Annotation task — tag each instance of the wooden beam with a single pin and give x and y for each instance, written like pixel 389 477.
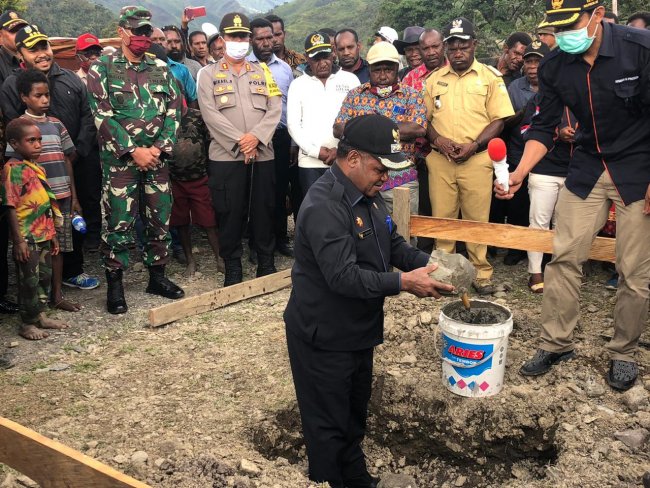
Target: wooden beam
pixel 402 211
pixel 53 465
pixel 219 298
pixel 502 235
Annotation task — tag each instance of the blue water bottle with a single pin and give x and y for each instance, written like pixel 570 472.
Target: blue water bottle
pixel 79 223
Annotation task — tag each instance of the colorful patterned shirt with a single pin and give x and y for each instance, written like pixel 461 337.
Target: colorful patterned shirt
pixel 404 105
pixel 416 77
pixel 24 187
pixel 293 58
pixel 56 145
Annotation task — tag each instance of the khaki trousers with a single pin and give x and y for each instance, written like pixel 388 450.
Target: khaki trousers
pixel 578 223
pixel 467 188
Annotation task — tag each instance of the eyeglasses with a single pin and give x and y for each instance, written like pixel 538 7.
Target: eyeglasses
pixel 144 30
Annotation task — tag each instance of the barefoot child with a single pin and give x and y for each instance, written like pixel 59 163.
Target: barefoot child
pixel 192 203
pixel 32 212
pixel 33 88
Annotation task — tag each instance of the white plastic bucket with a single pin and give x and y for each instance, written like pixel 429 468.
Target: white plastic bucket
pixel 474 356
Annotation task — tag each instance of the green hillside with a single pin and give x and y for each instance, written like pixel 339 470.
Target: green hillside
pixel 303 16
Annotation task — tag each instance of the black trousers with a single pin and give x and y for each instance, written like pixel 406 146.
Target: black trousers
pixel 4 248
pixel 88 180
pixel 230 184
pixel 309 176
pixel 333 389
pixel 425 244
pixel 515 211
pixel 286 183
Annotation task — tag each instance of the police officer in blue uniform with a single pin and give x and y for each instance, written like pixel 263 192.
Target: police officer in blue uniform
pixel 601 72
pixel 345 247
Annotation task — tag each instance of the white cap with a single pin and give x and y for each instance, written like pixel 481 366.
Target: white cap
pixel 388 33
pixel 209 29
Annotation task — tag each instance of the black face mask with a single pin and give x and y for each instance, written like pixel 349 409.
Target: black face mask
pixel 175 56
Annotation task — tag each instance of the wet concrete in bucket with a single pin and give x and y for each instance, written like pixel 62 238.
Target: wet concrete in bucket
pixel 480 313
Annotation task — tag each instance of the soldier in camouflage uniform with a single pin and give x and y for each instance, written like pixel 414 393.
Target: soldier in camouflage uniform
pixel 136 103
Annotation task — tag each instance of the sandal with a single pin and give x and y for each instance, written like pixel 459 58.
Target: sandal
pixel 536 287
pixel 66 306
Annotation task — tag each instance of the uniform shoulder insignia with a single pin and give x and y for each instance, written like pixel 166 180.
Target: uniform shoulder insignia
pixel 638 36
pixel 494 71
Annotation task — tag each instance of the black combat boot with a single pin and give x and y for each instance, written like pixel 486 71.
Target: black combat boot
pixel 160 285
pixel 266 265
pixel 115 301
pixel 233 272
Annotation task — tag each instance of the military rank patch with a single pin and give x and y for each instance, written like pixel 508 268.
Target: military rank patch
pixel 221 75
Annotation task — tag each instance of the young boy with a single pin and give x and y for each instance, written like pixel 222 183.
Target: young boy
pixel 32 212
pixel 33 88
pixel 192 203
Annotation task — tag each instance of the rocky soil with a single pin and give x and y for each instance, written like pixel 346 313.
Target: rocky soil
pixel 208 401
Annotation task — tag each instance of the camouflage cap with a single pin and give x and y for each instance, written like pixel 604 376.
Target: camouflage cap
pixel 134 16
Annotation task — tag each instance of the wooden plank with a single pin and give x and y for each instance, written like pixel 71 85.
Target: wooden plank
pixel 219 298
pixel 502 235
pixel 402 211
pixel 53 465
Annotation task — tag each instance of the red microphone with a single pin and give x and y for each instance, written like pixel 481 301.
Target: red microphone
pixel 497 152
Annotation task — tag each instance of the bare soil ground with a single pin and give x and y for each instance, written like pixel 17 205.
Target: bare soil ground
pixel 209 402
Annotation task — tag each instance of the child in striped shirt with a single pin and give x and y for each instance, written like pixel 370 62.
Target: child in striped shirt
pixel 33 88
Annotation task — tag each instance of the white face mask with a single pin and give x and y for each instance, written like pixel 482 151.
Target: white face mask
pixel 237 50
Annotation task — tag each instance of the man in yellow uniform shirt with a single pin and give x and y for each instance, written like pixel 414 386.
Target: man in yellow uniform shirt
pixel 467 103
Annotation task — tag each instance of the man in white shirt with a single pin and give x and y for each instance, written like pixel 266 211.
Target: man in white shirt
pixel 313 103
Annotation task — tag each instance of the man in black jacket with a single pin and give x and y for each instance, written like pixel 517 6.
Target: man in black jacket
pixel 69 104
pixel 345 247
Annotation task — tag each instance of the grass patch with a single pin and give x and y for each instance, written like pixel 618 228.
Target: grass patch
pixel 86 367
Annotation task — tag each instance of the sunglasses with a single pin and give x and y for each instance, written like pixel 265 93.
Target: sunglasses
pixel 145 30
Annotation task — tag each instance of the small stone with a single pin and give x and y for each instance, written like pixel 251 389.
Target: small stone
pixel 159 462
pixel 508 286
pixel 592 309
pixel 13 344
pixel 594 389
pixel 91 444
pixel 643 418
pixel 425 318
pixel 646 479
pixel 392 480
pixel 409 359
pixel 500 294
pixel 460 481
pixel 26 482
pixel 590 419
pixel 249 467
pixel 635 398
pixel 633 438
pixel 139 457
pixel 58 367
pixel 379 463
pixel 120 459
pixel 568 427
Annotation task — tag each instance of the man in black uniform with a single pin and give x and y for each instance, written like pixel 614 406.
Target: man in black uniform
pixel 601 72
pixel 345 247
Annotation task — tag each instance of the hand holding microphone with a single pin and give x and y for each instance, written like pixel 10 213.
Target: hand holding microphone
pixel 497 152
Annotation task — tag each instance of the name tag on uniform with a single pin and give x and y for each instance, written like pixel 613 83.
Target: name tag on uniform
pixel 365 233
